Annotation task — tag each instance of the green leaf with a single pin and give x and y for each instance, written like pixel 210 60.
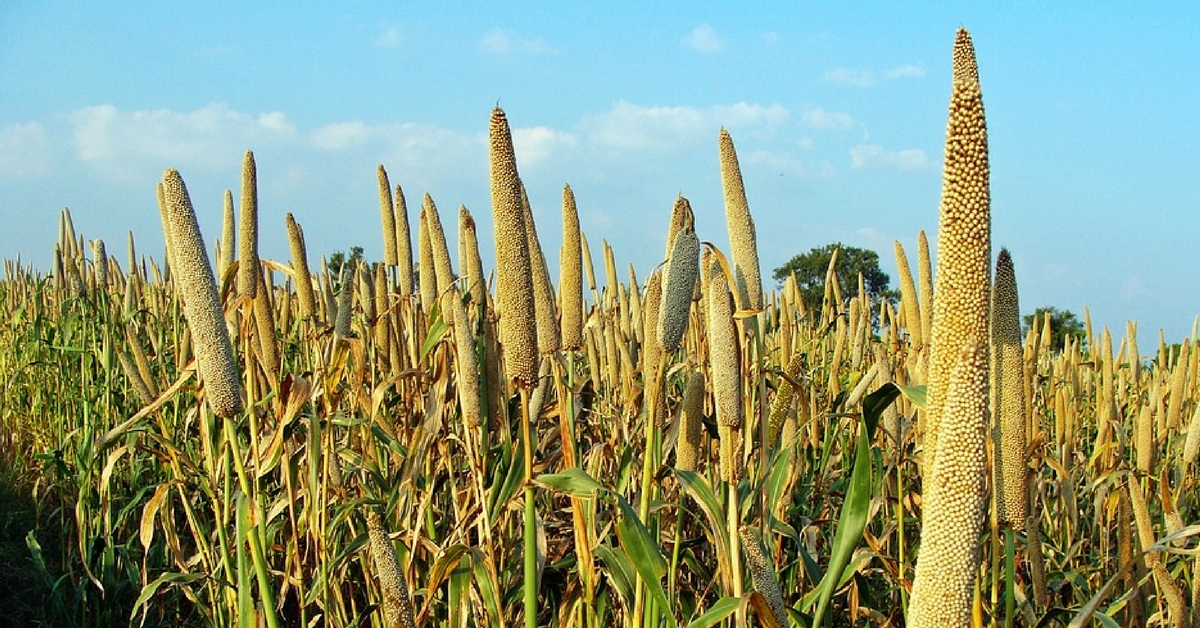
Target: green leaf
pixel 485 579
pixel 644 553
pixel 918 395
pixel 875 403
pixel 716 613
pixel 620 572
pixel 437 329
pixel 857 506
pixel 575 481
pixel 168 578
pixel 698 489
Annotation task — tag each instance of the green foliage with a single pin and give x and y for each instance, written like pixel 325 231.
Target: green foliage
pixel 810 269
pixel 1063 324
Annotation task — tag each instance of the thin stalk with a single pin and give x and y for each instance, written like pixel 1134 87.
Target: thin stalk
pixel 530 585
pixel 1010 599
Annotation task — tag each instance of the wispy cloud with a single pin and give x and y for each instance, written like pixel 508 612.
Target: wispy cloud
pixel 540 144
pixel 128 142
pixel 851 77
pixel 907 70
pixel 24 151
pixel 875 157
pixel 499 41
pixel 821 119
pixel 389 38
pixel 704 38
pixel 866 78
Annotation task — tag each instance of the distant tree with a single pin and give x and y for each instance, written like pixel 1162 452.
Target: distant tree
pixel 337 258
pixel 810 269
pixel 1063 324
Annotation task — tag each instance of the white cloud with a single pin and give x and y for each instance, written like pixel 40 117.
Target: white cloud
pixel 1134 288
pixel 536 145
pixel 389 38
pixel 875 157
pixel 781 163
pixel 341 136
pixel 704 38
pixel 129 142
pixel 635 127
pixel 24 150
pixel 818 118
pixel 501 42
pixel 847 76
pixel 745 114
pixel 905 71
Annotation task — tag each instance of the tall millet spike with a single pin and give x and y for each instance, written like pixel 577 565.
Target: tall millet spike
pixel 248 253
pixel 925 282
pixel 955 502
pixel 469 262
pixel 543 290
pixel 201 304
pixel 743 244
pixel 909 300
pixel 304 288
pixel 387 216
pixel 762 573
pixel 426 273
pixel 963 278
pixel 404 256
pixel 570 275
pixel 681 275
pixel 397 606
pixel 437 245
pixel 514 275
pixel 689 449
pixel 725 358
pixel 228 238
pixel 1008 398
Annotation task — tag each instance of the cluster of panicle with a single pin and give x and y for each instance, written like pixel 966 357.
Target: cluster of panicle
pixel 548 337
pixel 570 289
pixel 387 216
pixel 404 256
pixel 1008 398
pixel 725 363
pixel 954 502
pixel 762 573
pixel 397 606
pixel 304 287
pixel 963 277
pixel 469 262
pixel 689 449
pixel 248 269
pixel 954 467
pixel 743 243
pixel 683 271
pixel 201 304
pixel 514 274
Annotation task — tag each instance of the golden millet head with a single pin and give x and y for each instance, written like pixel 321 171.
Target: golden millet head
pixel 963 279
pixel 201 304
pixel 955 501
pixel 570 288
pixel 248 253
pixel 1008 398
pixel 514 272
pixel 683 271
pixel 743 242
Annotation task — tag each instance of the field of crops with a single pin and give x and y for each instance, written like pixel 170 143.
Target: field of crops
pixel 420 441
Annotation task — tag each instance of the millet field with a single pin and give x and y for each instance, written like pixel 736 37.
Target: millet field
pixel 225 440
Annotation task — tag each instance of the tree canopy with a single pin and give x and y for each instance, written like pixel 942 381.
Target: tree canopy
pixel 811 267
pixel 1063 324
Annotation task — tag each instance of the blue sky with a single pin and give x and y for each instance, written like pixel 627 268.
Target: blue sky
pixel 838 116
